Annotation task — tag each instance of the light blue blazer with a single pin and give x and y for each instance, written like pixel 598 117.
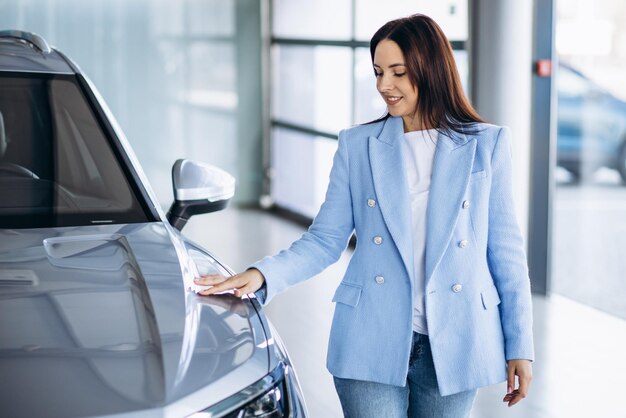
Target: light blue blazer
pixel 473 328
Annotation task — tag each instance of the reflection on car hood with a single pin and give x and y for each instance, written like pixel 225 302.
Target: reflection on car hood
pixel 98 320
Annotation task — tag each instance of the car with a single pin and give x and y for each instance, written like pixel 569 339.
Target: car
pixel 99 315
pixel 591 126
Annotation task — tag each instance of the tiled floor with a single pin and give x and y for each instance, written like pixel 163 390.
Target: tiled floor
pixel 580 367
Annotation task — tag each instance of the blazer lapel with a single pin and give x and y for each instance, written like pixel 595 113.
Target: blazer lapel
pixel 451 171
pixel 385 153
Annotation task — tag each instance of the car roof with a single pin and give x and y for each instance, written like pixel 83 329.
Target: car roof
pixel 28 52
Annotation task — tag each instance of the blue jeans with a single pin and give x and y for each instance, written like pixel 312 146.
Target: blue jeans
pixel 420 398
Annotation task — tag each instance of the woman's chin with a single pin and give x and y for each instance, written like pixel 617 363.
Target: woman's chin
pixel 392 111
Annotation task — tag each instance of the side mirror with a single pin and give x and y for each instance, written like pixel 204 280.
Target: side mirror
pixel 198 188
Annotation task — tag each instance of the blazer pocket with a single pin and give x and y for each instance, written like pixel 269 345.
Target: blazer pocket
pixel 477 175
pixel 348 294
pixel 490 297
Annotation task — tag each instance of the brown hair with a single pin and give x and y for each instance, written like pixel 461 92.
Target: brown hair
pixel 441 102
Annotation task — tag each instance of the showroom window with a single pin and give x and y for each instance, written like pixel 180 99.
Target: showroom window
pixel 322 81
pixel 177 76
pixel 589 206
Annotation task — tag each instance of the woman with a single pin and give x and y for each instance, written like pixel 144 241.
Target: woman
pixel 436 301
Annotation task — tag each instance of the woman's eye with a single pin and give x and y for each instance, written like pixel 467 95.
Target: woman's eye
pixel 378 74
pixel 399 74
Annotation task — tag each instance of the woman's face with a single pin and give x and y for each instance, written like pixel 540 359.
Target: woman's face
pixel 393 84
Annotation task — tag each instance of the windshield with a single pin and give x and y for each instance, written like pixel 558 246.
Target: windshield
pixel 57 167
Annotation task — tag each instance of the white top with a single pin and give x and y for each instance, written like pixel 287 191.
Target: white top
pixel 418 153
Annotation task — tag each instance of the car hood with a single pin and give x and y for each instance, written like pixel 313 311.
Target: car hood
pixel 102 320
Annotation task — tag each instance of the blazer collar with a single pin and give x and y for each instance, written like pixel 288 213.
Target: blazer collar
pixel 393 131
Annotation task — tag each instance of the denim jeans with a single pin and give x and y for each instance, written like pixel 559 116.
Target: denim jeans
pixel 420 398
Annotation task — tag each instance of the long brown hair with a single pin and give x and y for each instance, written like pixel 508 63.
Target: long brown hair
pixel 441 102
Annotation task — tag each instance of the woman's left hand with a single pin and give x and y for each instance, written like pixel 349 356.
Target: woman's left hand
pixel 524 372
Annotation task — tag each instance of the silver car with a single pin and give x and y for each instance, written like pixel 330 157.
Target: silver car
pixel 98 310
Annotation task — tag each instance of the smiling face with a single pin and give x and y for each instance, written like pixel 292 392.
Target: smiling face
pixel 394 85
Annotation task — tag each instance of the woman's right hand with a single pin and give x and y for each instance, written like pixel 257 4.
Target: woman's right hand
pixel 243 283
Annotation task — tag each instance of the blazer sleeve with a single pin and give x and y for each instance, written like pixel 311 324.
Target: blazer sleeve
pixel 323 243
pixel 506 256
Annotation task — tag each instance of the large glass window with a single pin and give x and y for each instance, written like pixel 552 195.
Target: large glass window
pixel 300 19
pixel 589 217
pixel 312 86
pixel 323 81
pixel 451 15
pixel 169 71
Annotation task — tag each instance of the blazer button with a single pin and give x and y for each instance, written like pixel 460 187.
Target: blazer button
pixel 463 243
pixel 378 240
pixel 380 279
pixel 371 203
pixel 466 204
pixel 457 288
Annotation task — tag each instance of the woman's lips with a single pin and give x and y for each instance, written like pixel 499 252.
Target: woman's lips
pixel 392 100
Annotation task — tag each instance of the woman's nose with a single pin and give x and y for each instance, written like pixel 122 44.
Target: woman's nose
pixel 384 84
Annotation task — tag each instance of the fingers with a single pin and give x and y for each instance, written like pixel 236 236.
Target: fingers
pixel 524 383
pixel 515 398
pixel 209 279
pixel 512 398
pixel 524 377
pixel 242 283
pixel 510 384
pixel 220 285
pixel 511 392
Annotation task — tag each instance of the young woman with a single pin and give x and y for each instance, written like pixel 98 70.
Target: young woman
pixel 436 300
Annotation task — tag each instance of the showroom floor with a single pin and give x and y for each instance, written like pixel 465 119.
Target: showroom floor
pixel 579 369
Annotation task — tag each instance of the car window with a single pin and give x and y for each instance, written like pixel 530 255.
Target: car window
pixel 57 166
pixel 571 84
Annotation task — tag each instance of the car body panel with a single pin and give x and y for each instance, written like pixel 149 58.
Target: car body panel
pixel 108 311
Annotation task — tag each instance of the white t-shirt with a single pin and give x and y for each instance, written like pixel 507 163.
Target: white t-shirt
pixel 418 153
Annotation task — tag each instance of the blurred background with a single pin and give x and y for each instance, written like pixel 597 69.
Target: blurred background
pixel 261 88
